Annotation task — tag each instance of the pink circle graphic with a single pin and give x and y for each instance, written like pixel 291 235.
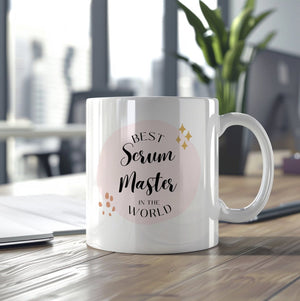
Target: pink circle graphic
pixel 151 169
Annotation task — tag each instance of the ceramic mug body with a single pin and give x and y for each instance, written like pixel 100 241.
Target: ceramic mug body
pixel 152 174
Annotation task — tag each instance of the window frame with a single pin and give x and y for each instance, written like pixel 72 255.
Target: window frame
pixel 99 56
pixel 4 96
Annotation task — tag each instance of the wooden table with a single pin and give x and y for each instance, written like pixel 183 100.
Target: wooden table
pixel 252 262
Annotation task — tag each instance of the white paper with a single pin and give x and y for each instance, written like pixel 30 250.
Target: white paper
pixel 39 215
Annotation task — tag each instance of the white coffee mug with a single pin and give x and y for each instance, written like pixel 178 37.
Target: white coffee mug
pixel 152 173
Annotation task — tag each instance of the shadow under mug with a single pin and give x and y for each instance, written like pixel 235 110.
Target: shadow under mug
pixel 152 173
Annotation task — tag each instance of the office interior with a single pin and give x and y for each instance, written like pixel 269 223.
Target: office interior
pixel 54 53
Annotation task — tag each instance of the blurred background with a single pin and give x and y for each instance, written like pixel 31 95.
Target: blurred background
pixel 55 53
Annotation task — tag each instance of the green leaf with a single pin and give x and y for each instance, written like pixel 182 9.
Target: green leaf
pixel 254 21
pixel 231 66
pixel 264 43
pixel 206 47
pixel 238 26
pixel 217 50
pixel 200 73
pixel 218 13
pixel 203 42
pixel 181 57
pixel 214 19
pixel 250 4
pixel 196 68
pixel 262 16
pixel 242 67
pixel 193 19
pixel 215 22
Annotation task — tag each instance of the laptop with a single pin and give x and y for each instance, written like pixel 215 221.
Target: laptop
pixel 38 218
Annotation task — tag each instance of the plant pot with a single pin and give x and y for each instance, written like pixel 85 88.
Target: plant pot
pixel 233 151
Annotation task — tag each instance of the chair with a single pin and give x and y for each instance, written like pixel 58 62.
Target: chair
pixel 72 151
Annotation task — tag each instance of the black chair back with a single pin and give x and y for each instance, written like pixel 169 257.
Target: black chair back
pixel 72 151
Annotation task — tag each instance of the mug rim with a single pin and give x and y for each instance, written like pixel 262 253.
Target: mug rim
pixel 151 98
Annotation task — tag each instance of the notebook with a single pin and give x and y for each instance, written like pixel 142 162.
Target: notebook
pixel 28 219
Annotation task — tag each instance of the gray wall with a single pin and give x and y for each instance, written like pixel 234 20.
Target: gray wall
pixel 285 20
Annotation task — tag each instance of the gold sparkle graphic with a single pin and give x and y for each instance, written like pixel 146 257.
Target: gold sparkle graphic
pixel 184 137
pixel 182 128
pixel 188 136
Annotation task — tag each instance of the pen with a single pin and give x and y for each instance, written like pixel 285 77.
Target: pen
pixel 276 212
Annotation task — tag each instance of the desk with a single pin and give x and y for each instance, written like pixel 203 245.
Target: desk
pixel 29 130
pixel 258 261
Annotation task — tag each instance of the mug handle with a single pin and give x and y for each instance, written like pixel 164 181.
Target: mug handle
pixel 250 212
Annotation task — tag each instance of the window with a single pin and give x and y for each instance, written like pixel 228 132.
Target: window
pixel 49 49
pixel 135 44
pixel 188 84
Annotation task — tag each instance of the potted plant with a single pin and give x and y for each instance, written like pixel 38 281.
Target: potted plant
pixel 224 50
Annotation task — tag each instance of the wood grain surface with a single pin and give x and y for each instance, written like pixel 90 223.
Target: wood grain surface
pixel 258 261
